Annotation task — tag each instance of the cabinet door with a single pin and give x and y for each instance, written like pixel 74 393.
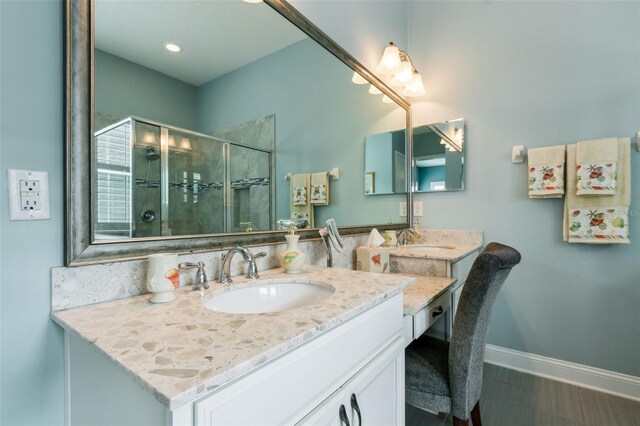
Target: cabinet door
pixel 327 413
pixel 375 396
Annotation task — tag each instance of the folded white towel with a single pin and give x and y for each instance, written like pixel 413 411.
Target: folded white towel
pixel 320 188
pixel 598 220
pixel 596 167
pixel 546 172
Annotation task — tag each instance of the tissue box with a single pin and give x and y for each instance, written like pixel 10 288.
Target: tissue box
pixel 372 259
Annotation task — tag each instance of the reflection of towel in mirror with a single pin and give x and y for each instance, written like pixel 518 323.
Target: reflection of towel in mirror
pixel 299 189
pixel 320 189
pixel 598 220
pixel 546 172
pixel 300 206
pixel 596 164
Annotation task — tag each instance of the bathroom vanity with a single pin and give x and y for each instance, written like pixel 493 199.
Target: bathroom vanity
pixel 440 261
pixel 179 363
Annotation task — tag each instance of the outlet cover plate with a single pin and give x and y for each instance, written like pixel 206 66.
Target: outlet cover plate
pixel 33 181
pixel 417 208
pixel 403 208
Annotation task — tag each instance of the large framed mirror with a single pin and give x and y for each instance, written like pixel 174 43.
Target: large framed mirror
pixel 193 126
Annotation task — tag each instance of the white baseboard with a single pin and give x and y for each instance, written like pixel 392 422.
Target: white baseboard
pixel 576 374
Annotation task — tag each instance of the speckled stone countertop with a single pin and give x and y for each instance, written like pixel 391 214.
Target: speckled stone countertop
pixel 180 350
pixel 451 252
pixel 424 291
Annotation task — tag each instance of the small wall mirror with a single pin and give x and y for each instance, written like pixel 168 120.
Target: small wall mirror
pixel 385 163
pixel 438 157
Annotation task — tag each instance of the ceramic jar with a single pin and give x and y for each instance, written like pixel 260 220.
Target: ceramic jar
pixel 291 258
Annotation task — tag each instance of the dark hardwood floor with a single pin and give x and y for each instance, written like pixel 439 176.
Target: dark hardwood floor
pixel 519 399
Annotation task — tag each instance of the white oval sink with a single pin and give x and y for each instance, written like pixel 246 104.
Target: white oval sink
pixel 267 296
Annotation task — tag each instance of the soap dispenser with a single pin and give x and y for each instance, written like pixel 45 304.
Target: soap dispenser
pixel 291 258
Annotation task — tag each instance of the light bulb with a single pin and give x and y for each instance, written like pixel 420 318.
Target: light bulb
pixel 390 60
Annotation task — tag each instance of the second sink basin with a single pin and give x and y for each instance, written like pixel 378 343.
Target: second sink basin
pixel 268 296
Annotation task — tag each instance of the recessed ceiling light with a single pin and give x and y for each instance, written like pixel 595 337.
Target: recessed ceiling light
pixel 171 47
pixel 253 1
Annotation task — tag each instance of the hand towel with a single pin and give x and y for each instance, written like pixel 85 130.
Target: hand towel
pixel 320 189
pixel 546 172
pixel 299 189
pixel 598 220
pixel 300 206
pixel 596 167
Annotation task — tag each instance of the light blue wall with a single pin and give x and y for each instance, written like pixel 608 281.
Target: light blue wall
pixel 538 74
pixel 123 88
pixel 322 119
pixel 31 137
pixel 426 175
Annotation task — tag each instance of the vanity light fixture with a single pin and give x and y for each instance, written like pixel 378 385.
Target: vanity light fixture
pixel 399 70
pixel 172 47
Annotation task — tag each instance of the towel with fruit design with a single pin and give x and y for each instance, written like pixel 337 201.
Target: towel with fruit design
pixel 546 179
pixel 599 225
pixel 596 178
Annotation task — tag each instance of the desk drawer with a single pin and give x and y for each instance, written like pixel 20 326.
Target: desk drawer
pixel 431 313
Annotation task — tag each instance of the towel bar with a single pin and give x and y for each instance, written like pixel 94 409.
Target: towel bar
pixel 334 174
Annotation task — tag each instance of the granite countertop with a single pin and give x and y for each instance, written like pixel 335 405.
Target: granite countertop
pixel 441 251
pixel 424 291
pixel 180 350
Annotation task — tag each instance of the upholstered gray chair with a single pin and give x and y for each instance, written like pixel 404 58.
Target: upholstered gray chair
pixel 447 377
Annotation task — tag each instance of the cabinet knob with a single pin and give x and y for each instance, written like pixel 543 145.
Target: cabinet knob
pixel 437 312
pixel 343 415
pixel 356 407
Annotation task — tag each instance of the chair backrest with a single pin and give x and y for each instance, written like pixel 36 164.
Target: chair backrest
pixel 466 350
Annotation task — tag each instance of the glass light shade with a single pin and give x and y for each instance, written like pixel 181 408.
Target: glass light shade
pixel 358 79
pixel 172 141
pixel 415 86
pixel 390 60
pixel 403 75
pixel 387 100
pixel 442 142
pixel 374 90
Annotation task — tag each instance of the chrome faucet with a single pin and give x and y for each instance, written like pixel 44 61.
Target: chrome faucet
pixel 252 269
pixel 201 277
pixel 403 236
pixel 331 237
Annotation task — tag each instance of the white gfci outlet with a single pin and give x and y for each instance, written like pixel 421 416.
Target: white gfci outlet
pixel 403 208
pixel 28 195
pixel 417 208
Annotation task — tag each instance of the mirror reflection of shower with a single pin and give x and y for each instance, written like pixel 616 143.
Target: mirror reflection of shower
pixel 157 180
pixel 149 215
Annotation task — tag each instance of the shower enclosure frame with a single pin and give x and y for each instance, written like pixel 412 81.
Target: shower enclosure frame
pixel 165 129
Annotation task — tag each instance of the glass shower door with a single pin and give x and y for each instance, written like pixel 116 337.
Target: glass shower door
pixel 195 175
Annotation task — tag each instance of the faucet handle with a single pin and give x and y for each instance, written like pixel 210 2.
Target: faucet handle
pixel 252 268
pixel 201 276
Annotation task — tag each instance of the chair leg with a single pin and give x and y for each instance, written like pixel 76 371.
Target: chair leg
pixel 459 422
pixel 475 415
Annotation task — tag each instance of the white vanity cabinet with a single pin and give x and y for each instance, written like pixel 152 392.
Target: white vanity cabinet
pixel 375 394
pixel 307 385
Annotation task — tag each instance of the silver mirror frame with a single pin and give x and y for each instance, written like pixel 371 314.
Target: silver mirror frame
pixel 80 248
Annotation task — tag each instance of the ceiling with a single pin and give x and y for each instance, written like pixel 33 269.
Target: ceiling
pixel 216 36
